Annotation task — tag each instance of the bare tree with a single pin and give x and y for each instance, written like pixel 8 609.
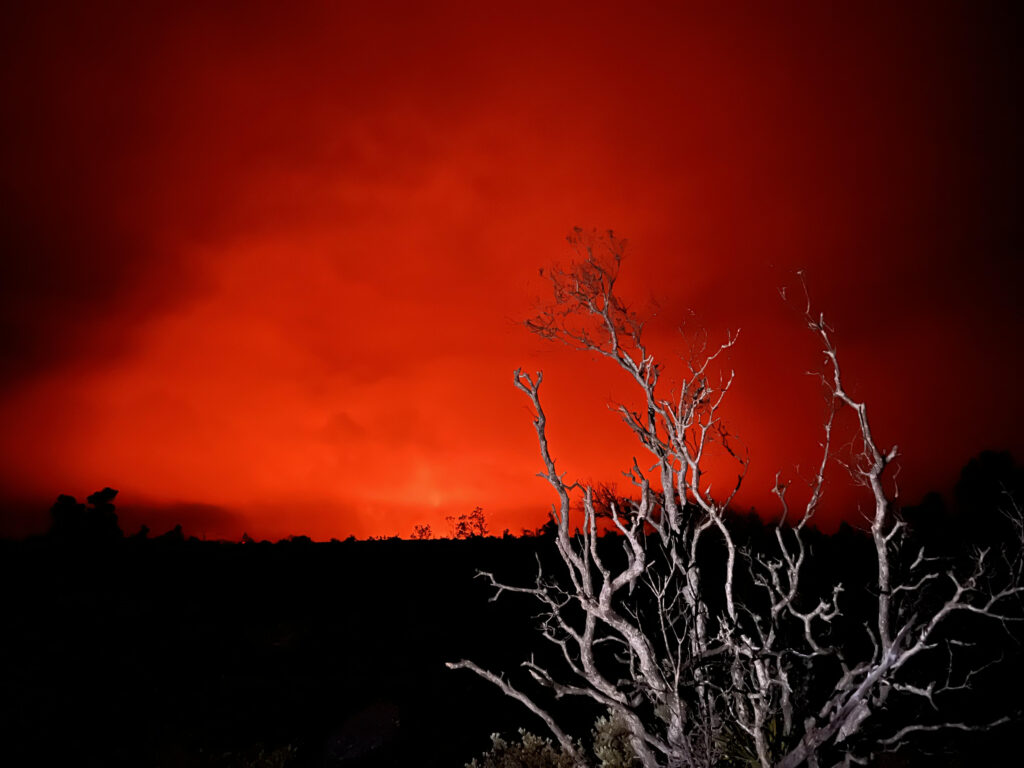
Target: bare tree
pixel 709 649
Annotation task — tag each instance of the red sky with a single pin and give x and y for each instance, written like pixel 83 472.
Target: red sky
pixel 264 267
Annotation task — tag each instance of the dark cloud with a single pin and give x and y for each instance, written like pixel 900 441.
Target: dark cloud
pixel 81 264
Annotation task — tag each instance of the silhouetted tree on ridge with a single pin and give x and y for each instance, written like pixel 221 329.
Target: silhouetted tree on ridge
pixel 71 521
pixel 469 525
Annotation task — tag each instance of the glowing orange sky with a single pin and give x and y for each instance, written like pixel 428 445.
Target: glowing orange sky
pixel 264 268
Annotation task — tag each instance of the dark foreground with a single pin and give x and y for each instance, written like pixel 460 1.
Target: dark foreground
pixel 148 653
pixel 185 653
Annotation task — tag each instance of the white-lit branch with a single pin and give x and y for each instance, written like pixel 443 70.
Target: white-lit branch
pixel 697 643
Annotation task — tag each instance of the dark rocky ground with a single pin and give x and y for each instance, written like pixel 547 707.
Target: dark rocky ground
pixel 163 652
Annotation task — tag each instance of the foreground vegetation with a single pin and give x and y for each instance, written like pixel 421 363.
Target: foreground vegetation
pixel 168 651
pixel 709 646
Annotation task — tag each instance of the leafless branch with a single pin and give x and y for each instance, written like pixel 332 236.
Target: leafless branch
pixel 699 643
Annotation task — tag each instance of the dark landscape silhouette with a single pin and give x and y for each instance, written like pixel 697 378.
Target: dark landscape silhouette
pixel 168 650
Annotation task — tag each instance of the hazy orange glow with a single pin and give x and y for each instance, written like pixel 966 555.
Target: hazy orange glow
pixel 264 269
